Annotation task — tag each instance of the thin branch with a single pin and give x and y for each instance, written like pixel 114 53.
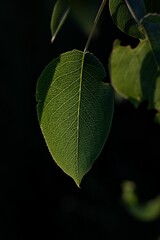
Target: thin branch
pixel 95 24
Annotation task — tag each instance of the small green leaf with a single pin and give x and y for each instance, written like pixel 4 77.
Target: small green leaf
pixel 75 111
pixel 148 211
pixel 123 18
pixel 59 15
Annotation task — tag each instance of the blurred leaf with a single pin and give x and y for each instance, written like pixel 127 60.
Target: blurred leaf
pixel 128 194
pixel 135 73
pixel 157 118
pixel 75 111
pixel 125 68
pixel 146 212
pixel 59 15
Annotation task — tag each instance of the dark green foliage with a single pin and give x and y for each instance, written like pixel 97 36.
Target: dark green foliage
pixel 75 108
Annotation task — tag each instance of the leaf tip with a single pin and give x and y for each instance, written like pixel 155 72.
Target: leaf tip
pixel 78 182
pixel 78 185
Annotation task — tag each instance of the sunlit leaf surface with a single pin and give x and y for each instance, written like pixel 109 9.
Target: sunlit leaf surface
pixel 75 111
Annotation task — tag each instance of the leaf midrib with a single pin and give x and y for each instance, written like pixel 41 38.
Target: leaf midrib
pixel 78 111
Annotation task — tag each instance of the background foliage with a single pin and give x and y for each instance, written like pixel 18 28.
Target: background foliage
pixel 37 199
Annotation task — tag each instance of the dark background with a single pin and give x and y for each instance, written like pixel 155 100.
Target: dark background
pixel 37 198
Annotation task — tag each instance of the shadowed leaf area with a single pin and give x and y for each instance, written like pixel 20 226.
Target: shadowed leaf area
pixel 123 18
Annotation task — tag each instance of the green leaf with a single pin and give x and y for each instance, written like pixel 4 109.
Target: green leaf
pixel 125 68
pixel 148 211
pixel 137 9
pixel 75 111
pixel 151 24
pixel 123 18
pixel 59 15
pixel 135 73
